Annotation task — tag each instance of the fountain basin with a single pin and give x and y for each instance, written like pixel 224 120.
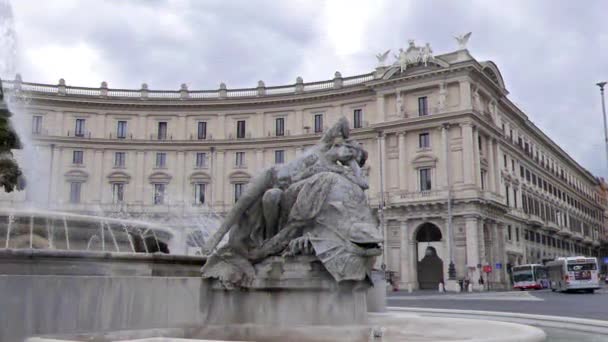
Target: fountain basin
pixel 392 326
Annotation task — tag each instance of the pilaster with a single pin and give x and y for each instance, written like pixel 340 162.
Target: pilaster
pixel 403 164
pixel 467 153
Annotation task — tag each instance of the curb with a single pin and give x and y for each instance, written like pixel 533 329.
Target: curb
pixel 567 323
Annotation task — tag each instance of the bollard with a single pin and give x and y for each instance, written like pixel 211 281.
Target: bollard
pixel 441 287
pixel 409 288
pixel 470 289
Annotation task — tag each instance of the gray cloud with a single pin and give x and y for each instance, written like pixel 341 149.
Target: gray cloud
pixel 551 53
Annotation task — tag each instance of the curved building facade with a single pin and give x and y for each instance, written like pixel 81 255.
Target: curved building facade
pixel 457 171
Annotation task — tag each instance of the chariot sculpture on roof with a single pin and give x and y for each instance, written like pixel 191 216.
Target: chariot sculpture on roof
pixel 414 55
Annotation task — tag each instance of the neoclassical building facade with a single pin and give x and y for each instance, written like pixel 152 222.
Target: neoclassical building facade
pixel 458 173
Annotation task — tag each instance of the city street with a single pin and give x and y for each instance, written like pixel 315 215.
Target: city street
pixel 539 302
pixel 542 302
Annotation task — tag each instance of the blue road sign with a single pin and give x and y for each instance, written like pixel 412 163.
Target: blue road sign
pixel 498 266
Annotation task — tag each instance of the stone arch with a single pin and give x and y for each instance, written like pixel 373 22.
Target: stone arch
pixel 159 177
pixel 200 177
pixel 428 232
pixel 429 268
pixel 119 177
pixel 239 177
pixel 490 69
pixel 76 176
pixel 424 160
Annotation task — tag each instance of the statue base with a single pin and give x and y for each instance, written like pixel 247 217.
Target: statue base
pixel 286 291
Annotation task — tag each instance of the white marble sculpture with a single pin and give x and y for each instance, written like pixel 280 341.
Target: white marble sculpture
pixel 414 55
pixel 381 57
pixel 462 40
pixel 314 205
pixel 442 98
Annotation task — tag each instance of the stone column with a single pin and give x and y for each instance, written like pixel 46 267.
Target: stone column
pixel 492 171
pixel 59 125
pixel 413 266
pixel 102 182
pixel 404 263
pixel 220 133
pixel 299 125
pixel 179 171
pixel 139 179
pixel 97 182
pixel 501 254
pixel 497 157
pixel 218 184
pixel 445 147
pixel 472 241
pixel 403 164
pixel 476 158
pixel 259 159
pixel 465 95
pixel 467 153
pixel 380 107
pixel 56 178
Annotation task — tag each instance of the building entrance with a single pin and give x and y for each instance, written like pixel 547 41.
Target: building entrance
pixel 430 268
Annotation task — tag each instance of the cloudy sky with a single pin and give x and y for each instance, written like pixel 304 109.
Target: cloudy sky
pixel 551 53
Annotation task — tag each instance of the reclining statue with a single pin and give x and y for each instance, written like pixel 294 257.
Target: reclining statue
pixel 313 205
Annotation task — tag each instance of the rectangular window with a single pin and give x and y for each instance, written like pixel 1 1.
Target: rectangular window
pixel 483 179
pixel 162 130
pixel 425 179
pixel 318 123
pixel 118 192
pixel 358 118
pixel 512 165
pixel 121 129
pixel 161 159
pixel 79 129
pixel 199 193
pixel 424 140
pixel 423 108
pixel 521 171
pixel 238 190
pixel 517 234
pixel 201 160
pixel 507 194
pixel 514 198
pixel 37 124
pixel 159 193
pixel 504 160
pixel 279 156
pixel 240 129
pixel 509 233
pixel 75 188
pixel 77 157
pixel 202 130
pixel 279 127
pixel 240 159
pixel 119 159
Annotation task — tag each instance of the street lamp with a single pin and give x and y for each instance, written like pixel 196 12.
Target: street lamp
pixel 601 85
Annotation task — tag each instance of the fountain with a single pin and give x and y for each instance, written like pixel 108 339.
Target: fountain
pixel 300 246
pixel 297 265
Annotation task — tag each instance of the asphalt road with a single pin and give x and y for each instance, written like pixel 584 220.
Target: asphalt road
pixel 540 302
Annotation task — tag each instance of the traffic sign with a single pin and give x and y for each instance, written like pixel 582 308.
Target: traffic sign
pixel 498 266
pixel 487 268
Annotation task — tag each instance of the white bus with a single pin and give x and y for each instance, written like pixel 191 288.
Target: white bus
pixel 529 276
pixel 574 273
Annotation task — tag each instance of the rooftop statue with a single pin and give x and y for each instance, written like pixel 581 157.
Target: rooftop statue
pixel 314 205
pixel 462 40
pixel 414 55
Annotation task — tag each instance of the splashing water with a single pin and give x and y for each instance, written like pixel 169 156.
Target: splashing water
pixel 187 233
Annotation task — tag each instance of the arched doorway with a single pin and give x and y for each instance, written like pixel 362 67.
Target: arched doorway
pixel 430 267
